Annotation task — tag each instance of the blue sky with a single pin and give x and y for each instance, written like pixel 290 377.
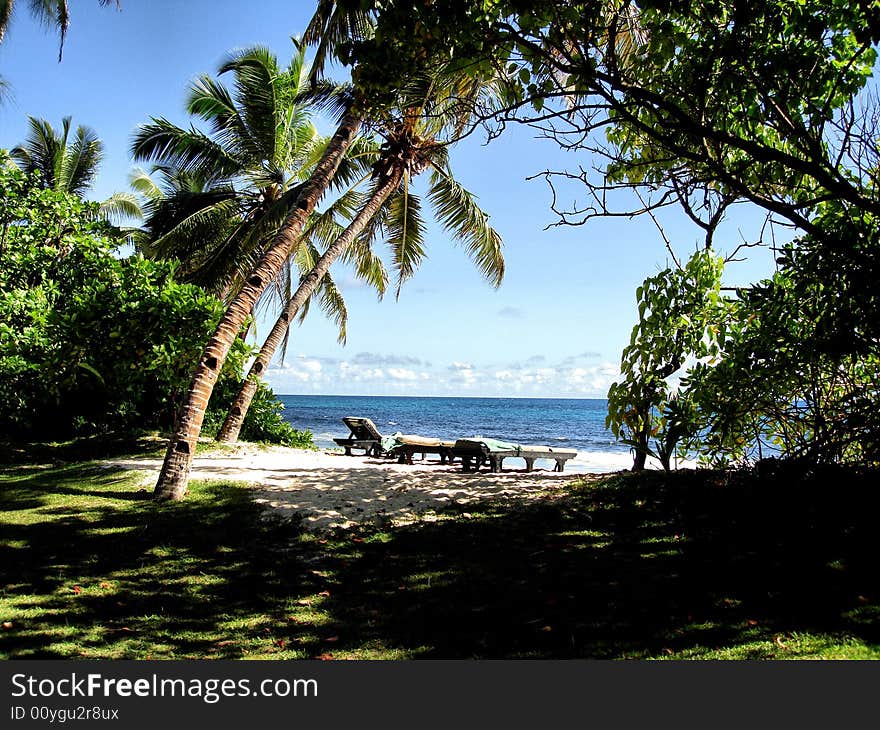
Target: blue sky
pixel 555 327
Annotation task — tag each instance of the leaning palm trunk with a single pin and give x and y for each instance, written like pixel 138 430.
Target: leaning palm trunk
pixel 235 418
pixel 173 478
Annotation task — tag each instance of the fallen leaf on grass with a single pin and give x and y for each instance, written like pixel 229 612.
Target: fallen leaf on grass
pixel 326 657
pixel 294 620
pixel 77 590
pixel 7 625
pixel 780 643
pixel 279 643
pixel 225 643
pixel 331 639
pixel 326 594
pixel 752 622
pixel 105 585
pixel 303 602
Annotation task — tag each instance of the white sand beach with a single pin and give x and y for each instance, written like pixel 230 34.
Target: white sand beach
pixel 330 490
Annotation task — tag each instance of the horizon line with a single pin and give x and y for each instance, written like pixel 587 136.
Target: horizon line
pixel 484 397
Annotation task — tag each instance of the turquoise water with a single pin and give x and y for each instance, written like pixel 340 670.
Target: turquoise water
pixel 564 422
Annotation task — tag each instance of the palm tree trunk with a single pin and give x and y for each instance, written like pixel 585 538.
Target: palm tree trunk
pixel 173 478
pixel 235 418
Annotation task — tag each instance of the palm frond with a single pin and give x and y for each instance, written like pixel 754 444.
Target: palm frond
pixel 368 266
pixel 5 16
pixel 80 161
pixel 188 223
pixel 183 149
pixel 119 207
pixel 457 211
pixel 327 97
pixel 50 13
pixel 212 102
pixel 405 229
pixel 41 152
pixel 331 27
pixel 256 75
pixel 324 227
pixel 140 181
pixel 333 305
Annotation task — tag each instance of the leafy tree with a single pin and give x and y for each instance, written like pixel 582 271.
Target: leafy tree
pixel 682 318
pixel 71 361
pixel 753 101
pixel 702 106
pixel 797 374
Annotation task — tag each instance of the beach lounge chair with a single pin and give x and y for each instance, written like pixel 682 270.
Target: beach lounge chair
pixel 475 452
pixel 405 446
pixel 364 435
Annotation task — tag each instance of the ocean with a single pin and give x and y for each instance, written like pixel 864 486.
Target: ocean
pixel 564 422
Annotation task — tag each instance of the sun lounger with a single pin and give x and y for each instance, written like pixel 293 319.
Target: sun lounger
pixel 477 451
pixel 405 446
pixel 364 435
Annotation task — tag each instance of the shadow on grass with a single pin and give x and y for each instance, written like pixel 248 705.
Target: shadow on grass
pixel 79 449
pixel 628 567
pixel 632 567
pixel 93 569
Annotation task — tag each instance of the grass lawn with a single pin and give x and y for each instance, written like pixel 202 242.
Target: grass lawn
pixel 688 567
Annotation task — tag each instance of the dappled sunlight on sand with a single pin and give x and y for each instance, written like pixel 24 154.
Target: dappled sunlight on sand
pixel 329 490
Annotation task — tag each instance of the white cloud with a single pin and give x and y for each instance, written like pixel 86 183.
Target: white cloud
pixel 313 366
pixel 312 374
pixel 401 374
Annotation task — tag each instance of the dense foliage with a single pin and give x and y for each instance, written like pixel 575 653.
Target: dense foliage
pixel 789 368
pixel 89 341
pixel 799 371
pixel 699 106
pixel 681 319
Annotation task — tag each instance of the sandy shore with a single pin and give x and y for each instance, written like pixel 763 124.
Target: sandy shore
pixel 330 490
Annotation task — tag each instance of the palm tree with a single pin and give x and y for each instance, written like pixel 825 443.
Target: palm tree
pixel 225 192
pixel 60 163
pixel 270 261
pixel 174 475
pixel 68 165
pixel 412 145
pixel 222 196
